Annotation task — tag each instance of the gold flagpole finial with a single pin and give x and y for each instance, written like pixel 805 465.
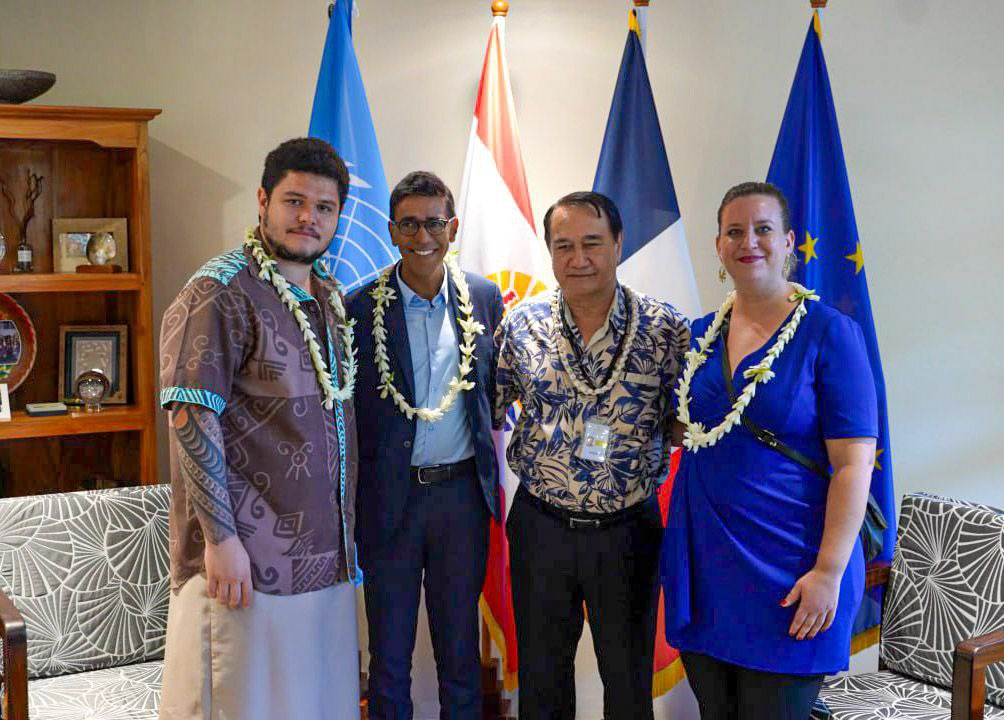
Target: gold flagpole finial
pixel 641 3
pixel 500 7
pixel 816 4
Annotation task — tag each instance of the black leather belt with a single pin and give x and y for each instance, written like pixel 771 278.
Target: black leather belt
pixel 587 521
pixel 435 474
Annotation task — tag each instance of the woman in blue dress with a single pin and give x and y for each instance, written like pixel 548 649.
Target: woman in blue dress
pixel 761 564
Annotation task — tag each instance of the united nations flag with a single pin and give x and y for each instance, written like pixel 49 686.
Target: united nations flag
pixel 341 116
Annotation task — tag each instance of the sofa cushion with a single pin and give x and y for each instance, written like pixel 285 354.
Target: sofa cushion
pixel 885 695
pixel 946 584
pixel 128 692
pixel 89 572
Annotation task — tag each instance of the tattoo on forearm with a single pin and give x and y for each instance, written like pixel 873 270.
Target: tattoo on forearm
pixel 204 468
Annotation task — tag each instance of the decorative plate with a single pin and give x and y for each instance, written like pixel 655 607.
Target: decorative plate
pixel 17 343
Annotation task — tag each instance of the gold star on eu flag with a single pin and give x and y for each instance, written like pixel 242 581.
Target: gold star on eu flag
pixel 877 453
pixel 857 258
pixel 809 247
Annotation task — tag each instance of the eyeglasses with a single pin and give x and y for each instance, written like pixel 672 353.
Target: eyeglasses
pixel 433 226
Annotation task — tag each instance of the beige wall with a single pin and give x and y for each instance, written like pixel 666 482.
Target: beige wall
pixel 919 95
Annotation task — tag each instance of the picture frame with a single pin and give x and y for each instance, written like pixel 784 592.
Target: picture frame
pixel 70 236
pixel 4 403
pixel 94 347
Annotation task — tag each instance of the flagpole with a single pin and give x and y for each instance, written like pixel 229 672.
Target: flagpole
pixel 499 8
pixel 641 12
pixel 817 7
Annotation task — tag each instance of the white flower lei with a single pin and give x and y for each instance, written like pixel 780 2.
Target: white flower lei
pixel 270 272
pixel 471 329
pixel 695 436
pixel 562 347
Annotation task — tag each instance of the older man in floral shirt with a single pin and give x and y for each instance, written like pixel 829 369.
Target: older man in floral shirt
pixel 592 365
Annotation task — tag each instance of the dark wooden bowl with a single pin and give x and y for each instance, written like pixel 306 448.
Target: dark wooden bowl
pixel 18 86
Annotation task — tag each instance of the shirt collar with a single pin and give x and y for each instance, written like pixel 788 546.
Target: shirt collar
pixel 299 293
pixel 412 299
pixel 616 317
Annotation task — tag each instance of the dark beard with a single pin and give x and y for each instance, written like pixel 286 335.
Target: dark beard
pixel 283 253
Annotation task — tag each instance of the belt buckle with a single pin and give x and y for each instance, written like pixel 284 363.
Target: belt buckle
pixel 422 469
pixel 573 522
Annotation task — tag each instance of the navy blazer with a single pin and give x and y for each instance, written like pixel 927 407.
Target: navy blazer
pixel 386 435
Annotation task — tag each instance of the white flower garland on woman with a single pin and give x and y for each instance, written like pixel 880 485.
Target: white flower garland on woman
pixel 695 435
pixel 562 347
pixel 270 272
pixel 471 329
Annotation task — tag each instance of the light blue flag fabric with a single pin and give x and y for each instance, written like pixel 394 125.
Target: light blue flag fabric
pixel 808 165
pixel 341 116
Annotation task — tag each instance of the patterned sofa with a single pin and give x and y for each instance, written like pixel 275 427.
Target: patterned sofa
pixel 88 571
pixel 942 642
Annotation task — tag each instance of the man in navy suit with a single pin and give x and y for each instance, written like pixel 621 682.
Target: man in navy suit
pixel 428 474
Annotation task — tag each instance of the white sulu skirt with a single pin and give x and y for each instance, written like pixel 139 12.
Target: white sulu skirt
pixel 285 656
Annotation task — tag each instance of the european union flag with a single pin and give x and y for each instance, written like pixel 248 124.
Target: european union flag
pixel 808 165
pixel 341 116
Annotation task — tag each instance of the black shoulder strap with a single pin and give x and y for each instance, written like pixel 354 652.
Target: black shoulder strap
pixel 763 435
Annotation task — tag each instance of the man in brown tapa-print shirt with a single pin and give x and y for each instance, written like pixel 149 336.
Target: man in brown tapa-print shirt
pixel 262 619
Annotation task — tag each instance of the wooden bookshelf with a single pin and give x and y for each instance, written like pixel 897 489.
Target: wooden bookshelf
pixel 95 164
pixel 112 418
pixel 67 283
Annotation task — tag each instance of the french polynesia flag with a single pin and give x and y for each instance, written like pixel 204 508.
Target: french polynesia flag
pixel 497 239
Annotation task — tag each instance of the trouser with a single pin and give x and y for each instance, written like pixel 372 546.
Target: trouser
pixel 730 692
pixel 443 537
pixel 613 570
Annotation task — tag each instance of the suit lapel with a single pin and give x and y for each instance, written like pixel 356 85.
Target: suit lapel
pixel 397 342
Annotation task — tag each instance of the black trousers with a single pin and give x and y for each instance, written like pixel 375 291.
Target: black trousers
pixel 614 571
pixel 729 692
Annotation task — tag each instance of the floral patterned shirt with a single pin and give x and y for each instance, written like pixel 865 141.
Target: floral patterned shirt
pixel 544 450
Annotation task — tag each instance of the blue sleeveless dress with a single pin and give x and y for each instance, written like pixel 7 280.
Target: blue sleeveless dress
pixel 745 522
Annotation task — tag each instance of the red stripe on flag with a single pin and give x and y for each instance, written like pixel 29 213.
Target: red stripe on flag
pixel 497 599
pixel 497 123
pixel 665 662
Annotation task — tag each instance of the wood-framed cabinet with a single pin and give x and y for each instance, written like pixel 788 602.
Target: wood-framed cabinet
pixel 94 164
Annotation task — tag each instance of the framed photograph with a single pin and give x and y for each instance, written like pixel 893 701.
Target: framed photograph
pixel 70 237
pixel 4 403
pixel 93 347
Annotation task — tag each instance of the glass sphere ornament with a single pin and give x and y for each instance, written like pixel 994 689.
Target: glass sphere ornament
pixel 91 387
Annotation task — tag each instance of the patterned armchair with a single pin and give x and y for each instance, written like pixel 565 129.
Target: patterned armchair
pixel 942 642
pixel 88 572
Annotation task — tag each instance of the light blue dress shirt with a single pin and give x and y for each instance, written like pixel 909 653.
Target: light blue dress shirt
pixel 435 358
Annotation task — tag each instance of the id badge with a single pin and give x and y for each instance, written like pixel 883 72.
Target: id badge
pixel 595 439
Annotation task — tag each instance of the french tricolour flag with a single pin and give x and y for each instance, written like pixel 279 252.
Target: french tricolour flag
pixel 633 171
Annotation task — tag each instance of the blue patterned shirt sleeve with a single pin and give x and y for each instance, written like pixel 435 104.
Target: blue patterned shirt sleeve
pixel 205 398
